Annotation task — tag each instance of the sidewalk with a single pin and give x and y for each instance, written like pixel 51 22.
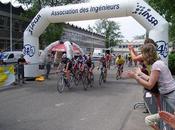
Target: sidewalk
pixel 136 120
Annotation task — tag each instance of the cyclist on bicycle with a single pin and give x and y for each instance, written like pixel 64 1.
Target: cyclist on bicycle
pixel 81 63
pixel 120 63
pixel 103 63
pixel 90 66
pixel 107 58
pixel 68 65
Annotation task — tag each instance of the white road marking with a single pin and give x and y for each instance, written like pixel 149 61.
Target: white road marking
pixel 58 105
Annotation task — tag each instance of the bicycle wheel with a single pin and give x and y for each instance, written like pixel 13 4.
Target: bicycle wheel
pixel 70 82
pixel 76 78
pixel 85 81
pixel 117 75
pixel 100 78
pixel 60 84
pixel 92 80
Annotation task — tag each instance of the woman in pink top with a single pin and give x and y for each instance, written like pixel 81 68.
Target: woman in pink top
pixel 159 73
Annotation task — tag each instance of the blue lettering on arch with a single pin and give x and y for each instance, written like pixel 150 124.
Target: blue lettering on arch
pixel 146 13
pixel 162 48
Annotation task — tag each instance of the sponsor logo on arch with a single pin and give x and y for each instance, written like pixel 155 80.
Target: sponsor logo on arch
pixel 146 13
pixel 29 50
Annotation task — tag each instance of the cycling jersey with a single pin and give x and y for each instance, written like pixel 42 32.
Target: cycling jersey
pixel 66 61
pixel 120 61
pixel 89 63
pixel 103 61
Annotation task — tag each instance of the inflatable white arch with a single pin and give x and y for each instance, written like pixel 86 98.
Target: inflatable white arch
pixel 155 24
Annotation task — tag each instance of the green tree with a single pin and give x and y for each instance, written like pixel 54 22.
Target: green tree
pixel 166 8
pixel 111 31
pixel 52 33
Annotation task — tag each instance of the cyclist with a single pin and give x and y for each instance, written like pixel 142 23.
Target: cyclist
pixel 81 63
pixel 119 62
pixel 67 65
pixel 107 58
pixel 103 63
pixel 90 66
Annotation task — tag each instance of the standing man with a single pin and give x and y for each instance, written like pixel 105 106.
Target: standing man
pixel 21 63
pixel 48 62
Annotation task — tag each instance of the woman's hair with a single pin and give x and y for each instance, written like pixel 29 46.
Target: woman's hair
pixel 149 53
pixel 149 40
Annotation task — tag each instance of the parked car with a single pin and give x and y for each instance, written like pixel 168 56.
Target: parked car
pixel 97 54
pixel 11 56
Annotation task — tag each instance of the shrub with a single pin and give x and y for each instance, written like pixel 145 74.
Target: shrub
pixel 171 62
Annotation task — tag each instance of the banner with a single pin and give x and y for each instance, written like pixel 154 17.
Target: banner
pixel 7 75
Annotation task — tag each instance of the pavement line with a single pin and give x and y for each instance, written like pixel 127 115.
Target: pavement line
pixel 125 120
pixel 58 105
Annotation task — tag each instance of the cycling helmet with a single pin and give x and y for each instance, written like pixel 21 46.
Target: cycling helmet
pixel 64 55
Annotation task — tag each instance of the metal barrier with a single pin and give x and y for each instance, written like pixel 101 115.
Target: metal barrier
pixel 150 103
pixel 169 108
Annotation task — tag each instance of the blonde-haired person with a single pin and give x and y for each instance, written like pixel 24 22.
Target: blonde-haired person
pixel 159 73
pixel 146 68
pixel 134 55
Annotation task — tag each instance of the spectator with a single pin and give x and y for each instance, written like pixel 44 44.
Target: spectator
pixel 159 73
pixel 146 68
pixel 21 63
pixel 48 62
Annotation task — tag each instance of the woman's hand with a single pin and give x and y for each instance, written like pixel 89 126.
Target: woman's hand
pixel 137 70
pixel 168 118
pixel 129 74
pixel 130 46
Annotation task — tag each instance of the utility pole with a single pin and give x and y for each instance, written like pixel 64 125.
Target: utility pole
pixel 11 46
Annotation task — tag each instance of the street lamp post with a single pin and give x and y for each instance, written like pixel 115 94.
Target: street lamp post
pixel 11 26
pixel 92 41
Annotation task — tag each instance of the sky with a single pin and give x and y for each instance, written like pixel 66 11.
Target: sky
pixel 129 27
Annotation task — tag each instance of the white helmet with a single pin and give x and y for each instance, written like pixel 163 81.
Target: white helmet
pixel 64 55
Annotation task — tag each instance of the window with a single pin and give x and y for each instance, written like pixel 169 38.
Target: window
pixel 2 20
pixel 11 56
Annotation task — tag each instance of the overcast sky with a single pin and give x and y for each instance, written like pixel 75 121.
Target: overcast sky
pixel 128 26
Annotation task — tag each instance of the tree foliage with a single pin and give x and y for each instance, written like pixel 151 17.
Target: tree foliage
pixel 166 8
pixel 111 31
pixel 52 33
pixel 43 3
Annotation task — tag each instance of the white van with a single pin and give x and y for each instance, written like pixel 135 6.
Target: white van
pixel 97 54
pixel 11 56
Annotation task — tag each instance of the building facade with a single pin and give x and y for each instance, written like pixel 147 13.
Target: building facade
pixel 10 20
pixel 123 47
pixel 85 39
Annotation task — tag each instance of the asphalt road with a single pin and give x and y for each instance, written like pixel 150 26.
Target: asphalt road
pixel 38 106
